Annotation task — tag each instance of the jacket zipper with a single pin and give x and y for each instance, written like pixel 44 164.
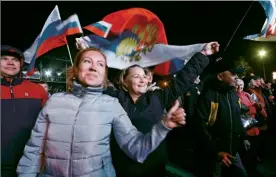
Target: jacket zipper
pixel 71 148
pixel 12 95
pixel 231 124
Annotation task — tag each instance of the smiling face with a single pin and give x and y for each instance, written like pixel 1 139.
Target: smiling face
pixel 240 85
pixel 136 81
pixel 10 65
pixel 92 69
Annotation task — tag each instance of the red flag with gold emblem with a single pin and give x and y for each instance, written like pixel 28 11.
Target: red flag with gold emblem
pixel 140 38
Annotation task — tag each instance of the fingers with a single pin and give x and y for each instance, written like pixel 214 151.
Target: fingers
pixel 226 162
pixel 230 156
pixel 179 111
pixel 215 45
pixel 181 123
pixel 174 107
pixel 178 119
pixel 178 115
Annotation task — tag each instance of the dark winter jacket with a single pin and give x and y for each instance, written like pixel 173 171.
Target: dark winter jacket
pixel 218 117
pixel 21 101
pixel 148 110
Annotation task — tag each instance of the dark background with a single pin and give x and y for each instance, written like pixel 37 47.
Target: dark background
pixel 185 23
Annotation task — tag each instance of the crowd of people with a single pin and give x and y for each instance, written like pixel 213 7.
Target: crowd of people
pixel 217 125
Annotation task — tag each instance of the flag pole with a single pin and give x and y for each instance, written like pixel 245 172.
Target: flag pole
pixel 69 54
pixel 238 26
pixel 66 39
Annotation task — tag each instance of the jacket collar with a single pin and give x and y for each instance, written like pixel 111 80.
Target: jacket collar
pixel 79 91
pixel 11 81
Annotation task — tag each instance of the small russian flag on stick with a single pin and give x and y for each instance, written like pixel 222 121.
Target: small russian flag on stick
pixel 100 28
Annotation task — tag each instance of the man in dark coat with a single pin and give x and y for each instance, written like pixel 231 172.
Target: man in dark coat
pixel 218 124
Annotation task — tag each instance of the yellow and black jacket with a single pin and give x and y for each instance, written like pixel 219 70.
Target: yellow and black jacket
pixel 217 117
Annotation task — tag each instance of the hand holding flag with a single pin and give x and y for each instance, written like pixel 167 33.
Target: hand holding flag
pixel 210 48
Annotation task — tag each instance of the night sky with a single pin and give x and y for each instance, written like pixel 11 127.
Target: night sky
pixel 185 23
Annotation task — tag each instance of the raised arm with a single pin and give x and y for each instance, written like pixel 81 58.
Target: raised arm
pixel 137 145
pixel 185 78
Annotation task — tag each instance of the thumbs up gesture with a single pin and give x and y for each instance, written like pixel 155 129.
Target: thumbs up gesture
pixel 175 117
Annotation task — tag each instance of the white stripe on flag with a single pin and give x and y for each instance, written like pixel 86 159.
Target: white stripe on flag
pixel 54 16
pixel 71 19
pixel 107 25
pixel 30 53
pixel 160 54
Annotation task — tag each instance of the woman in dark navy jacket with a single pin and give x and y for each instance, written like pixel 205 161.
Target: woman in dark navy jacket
pixel 141 105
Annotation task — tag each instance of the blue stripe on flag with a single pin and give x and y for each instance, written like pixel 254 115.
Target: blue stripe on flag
pixel 176 65
pixel 97 40
pixel 50 31
pixel 100 42
pixel 268 12
pixel 68 26
pixel 100 27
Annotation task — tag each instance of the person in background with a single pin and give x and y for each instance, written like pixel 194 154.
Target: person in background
pixel 21 101
pixel 145 107
pixel 151 86
pixel 71 136
pixel 46 87
pixel 249 108
pixel 256 91
pixel 270 104
pixel 218 125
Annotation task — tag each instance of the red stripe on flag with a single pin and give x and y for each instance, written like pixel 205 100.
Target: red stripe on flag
pixel 51 43
pixel 71 31
pixel 271 29
pixel 30 73
pixel 162 69
pixel 95 30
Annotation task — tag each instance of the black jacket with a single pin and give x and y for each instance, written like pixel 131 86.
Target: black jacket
pixel 147 111
pixel 181 141
pixel 21 101
pixel 218 120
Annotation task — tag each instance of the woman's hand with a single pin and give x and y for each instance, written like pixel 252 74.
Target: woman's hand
pixel 210 48
pixel 175 117
pixel 225 158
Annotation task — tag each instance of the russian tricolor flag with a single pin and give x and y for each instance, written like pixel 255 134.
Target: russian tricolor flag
pixel 53 35
pixel 268 32
pixel 70 26
pixel 100 28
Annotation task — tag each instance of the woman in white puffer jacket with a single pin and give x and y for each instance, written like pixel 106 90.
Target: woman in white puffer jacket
pixel 72 133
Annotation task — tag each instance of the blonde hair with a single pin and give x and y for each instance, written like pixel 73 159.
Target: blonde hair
pixel 125 73
pixel 72 72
